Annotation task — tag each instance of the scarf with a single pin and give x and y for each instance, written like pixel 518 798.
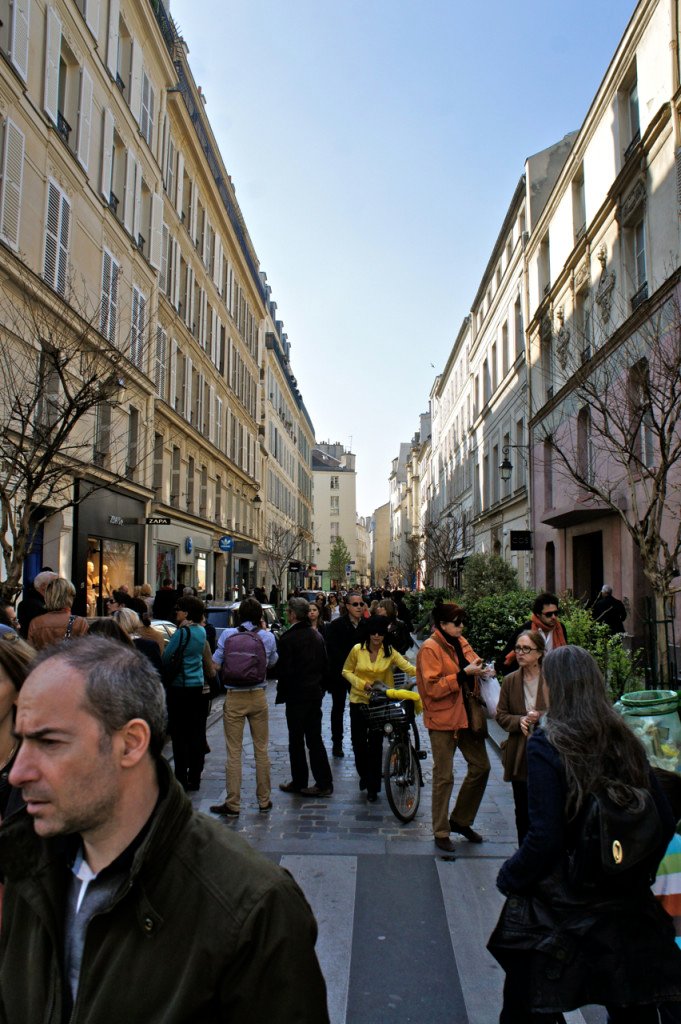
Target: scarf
pixel 558 639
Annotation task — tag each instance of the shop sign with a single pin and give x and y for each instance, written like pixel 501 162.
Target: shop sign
pixel 226 543
pixel 158 520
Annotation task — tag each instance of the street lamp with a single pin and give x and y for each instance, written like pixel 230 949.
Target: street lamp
pixel 256 501
pixel 506 467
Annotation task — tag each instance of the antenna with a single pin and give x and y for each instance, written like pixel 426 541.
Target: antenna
pixel 350 448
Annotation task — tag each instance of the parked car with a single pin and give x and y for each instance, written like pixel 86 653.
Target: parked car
pixel 223 616
pixel 310 595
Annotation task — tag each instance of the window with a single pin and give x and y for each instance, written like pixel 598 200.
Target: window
pixel 102 447
pixel 203 492
pixel 218 500
pixel 11 185
pixel 108 311
pixel 585 460
pixel 57 235
pixel 637 262
pixel 158 466
pixel 334 532
pixel 15 17
pixel 133 443
pixel 147 110
pixel 578 205
pixel 629 116
pixel 161 362
pixel 519 328
pixel 643 438
pixel 49 390
pixel 505 354
pixel 494 361
pixel 334 483
pixel 335 505
pixel 548 474
pixel 175 479
pixel 544 267
pixel 191 475
pixel 583 325
pixel 137 327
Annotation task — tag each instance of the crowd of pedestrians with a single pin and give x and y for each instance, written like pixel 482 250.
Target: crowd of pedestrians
pixel 86 706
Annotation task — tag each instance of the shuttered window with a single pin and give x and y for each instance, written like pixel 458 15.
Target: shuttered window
pixel 12 178
pixel 18 37
pixel 52 53
pixel 108 314
pixel 161 362
pixel 57 235
pixel 84 119
pixel 137 327
pixel 147 109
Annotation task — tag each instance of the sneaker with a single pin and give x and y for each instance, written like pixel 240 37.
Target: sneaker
pixel 225 810
pixel 316 791
pixel 265 807
pixel 372 797
pixel 466 831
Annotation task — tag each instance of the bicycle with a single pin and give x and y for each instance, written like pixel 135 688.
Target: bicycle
pixel 402 775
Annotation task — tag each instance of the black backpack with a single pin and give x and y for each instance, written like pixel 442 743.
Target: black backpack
pixel 616 845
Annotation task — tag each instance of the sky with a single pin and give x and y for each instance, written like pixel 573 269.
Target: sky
pixel 375 146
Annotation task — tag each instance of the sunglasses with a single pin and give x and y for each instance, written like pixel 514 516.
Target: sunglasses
pixel 524 650
pixel 356 604
pixel 550 615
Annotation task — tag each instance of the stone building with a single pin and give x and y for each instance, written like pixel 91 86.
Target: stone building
pixel 335 508
pixel 117 209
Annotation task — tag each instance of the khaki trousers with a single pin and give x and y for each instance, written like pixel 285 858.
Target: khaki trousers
pixel 240 706
pixel 443 746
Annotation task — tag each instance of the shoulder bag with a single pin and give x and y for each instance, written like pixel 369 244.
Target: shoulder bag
pixel 173 666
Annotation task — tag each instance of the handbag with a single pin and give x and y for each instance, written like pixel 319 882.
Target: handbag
pixel 173 666
pixel 475 711
pixel 489 691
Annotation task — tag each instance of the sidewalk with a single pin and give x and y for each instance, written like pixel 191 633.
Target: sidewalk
pixel 345 822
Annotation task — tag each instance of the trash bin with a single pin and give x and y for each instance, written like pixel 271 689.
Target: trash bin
pixel 653 715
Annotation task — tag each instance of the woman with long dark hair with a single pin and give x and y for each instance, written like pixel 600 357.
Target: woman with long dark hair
pixel 564 941
pixel 369 662
pixel 521 704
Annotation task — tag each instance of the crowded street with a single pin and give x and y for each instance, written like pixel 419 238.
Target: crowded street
pixel 402 929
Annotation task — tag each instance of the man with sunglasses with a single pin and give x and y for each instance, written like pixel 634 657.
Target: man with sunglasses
pixel 340 638
pixel 545 612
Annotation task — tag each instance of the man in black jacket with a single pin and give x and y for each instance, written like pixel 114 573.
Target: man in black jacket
pixel 340 638
pixel 129 905
pixel 301 671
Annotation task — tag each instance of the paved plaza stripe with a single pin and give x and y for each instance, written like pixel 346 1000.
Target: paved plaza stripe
pixel 471 901
pixel 329 886
pixel 402 969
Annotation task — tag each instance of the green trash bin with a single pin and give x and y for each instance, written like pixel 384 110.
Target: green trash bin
pixel 653 715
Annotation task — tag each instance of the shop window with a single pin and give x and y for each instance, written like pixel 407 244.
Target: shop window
pixel 110 565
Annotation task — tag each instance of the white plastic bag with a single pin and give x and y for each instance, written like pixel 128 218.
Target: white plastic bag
pixel 489 691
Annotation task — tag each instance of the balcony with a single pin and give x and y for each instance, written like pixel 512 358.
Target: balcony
pixel 63 127
pixel 640 296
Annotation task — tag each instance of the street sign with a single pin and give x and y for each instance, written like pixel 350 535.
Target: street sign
pixel 521 540
pixel 158 520
pixel 226 543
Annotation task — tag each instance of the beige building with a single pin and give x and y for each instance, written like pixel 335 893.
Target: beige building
pixel 335 508
pixel 116 206
pixel 380 544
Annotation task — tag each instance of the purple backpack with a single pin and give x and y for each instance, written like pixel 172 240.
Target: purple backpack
pixel 244 659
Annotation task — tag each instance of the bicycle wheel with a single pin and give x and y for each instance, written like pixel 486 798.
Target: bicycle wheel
pixel 402 779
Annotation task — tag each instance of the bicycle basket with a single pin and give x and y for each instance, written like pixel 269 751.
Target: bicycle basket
pixel 381 710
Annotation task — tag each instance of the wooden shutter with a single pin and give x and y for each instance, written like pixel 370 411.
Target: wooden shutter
pixel 156 240
pixel 84 119
pixel 18 45
pixel 52 53
pixel 173 374
pixel 112 39
pixel 136 81
pixel 137 214
pixel 161 356
pixel 57 232
pixel 107 154
pixel 92 16
pixel 180 184
pixel 12 180
pixel 129 202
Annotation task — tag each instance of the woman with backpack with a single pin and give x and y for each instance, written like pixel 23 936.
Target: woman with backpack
pixel 580 925
pixel 183 679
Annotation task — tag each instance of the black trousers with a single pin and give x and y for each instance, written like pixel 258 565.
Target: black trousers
pixel 522 816
pixel 367 746
pixel 304 721
pixel 187 727
pixel 339 693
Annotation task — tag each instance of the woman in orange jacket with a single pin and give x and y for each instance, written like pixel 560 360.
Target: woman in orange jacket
pixel 446 664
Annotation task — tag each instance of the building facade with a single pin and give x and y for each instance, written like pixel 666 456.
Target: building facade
pixel 119 218
pixel 335 509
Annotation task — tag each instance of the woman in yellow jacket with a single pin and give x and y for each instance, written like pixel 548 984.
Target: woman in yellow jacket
pixel 369 662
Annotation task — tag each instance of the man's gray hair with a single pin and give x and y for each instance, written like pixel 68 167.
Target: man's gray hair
pixel 606 589
pixel 120 684
pixel 300 607
pixel 43 578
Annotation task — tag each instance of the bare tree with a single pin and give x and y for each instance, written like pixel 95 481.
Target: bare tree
pixel 616 433
pixel 60 380
pixel 281 545
pixel 443 543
